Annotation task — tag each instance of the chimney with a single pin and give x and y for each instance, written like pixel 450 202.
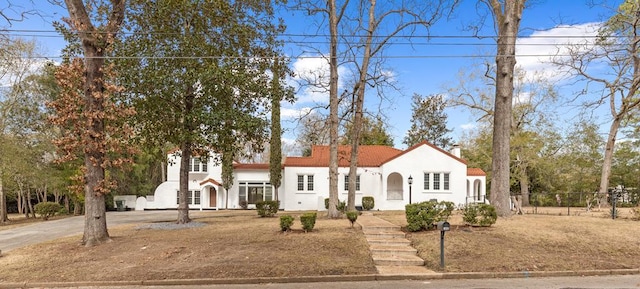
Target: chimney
pixel 456 150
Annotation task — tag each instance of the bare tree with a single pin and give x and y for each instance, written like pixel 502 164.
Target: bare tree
pixel 616 47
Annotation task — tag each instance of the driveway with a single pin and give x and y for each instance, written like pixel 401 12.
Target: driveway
pixel 53 229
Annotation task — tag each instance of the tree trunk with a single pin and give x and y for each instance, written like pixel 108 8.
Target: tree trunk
pixel 606 162
pixel 3 204
pixel 77 207
pixel 524 184
pixel 357 119
pixel 507 24
pixel 333 112
pixel 94 44
pixel 183 206
pixel 95 218
pixel 29 208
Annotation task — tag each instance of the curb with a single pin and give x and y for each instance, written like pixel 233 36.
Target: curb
pixel 327 278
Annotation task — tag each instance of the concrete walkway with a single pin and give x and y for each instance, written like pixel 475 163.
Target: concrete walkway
pixel 391 251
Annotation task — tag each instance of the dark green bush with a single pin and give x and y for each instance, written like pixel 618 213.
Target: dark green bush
pixel 267 208
pixel 368 203
pixel 244 205
pixel 342 206
pixel 352 216
pixel 423 216
pixel 482 215
pixel 286 222
pixel 308 221
pixel 47 209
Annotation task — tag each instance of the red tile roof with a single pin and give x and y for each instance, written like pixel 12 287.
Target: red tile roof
pixel 210 180
pixel 431 145
pixel 368 156
pixel 238 166
pixel 475 172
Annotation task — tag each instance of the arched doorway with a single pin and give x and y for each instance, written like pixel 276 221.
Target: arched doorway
pixel 394 187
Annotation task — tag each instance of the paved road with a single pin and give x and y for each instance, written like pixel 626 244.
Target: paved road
pixel 598 282
pixel 54 229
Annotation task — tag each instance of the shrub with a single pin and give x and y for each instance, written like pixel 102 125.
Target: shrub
pixel 352 216
pixel 308 221
pixel 482 215
pixel 244 205
pixel 342 206
pixel 286 222
pixel 423 216
pixel 47 209
pixel 267 208
pixel 368 203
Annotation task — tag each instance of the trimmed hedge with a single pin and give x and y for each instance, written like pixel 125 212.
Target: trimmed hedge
pixel 352 216
pixel 482 215
pixel 47 209
pixel 308 221
pixel 267 208
pixel 368 203
pixel 423 216
pixel 286 222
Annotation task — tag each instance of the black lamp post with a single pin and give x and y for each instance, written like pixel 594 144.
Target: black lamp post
pixel 410 180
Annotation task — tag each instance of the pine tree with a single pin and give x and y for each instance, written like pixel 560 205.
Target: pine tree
pixel 428 122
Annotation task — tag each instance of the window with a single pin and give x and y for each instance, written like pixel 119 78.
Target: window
pixel 427 179
pixel 309 182
pixel 195 165
pixel 346 182
pixel 193 197
pixel 253 192
pixel 300 182
pixel 445 181
pixel 437 181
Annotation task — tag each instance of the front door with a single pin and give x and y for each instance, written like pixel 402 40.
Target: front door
pixel 213 197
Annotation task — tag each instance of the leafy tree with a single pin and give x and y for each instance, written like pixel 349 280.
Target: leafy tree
pixel 197 74
pixel 85 107
pixel 374 132
pixel 278 93
pixel 428 122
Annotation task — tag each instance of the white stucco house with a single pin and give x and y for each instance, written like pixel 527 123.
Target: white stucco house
pixel 383 173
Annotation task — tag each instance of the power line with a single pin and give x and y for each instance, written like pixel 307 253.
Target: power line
pixel 292 57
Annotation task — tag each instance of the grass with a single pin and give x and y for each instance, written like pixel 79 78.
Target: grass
pixel 232 244
pixel 238 244
pixel 547 241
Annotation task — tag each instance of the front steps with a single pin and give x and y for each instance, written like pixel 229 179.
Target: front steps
pixel 391 251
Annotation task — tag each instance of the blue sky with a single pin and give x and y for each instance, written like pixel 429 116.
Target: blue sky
pixel 425 68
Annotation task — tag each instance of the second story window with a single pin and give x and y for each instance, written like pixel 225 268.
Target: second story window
pixel 196 166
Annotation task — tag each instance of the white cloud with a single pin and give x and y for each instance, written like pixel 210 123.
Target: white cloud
pixel 289 113
pixel 469 126
pixel 534 53
pixel 311 79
